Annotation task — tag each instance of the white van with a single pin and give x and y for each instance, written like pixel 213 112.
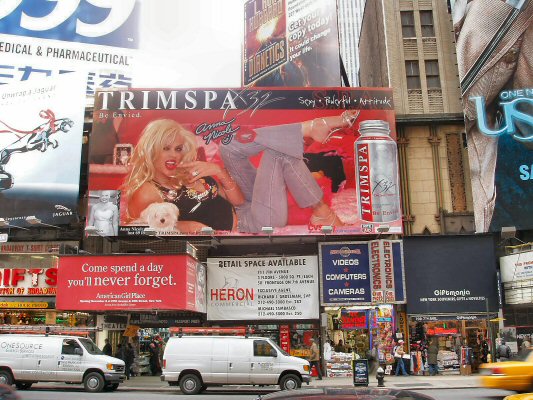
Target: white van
pixel 195 362
pixel 26 359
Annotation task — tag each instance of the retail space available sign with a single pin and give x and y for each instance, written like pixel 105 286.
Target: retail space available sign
pixel 517 277
pixel 266 288
pixel 139 282
pixel 24 275
pixel 362 272
pixel 450 275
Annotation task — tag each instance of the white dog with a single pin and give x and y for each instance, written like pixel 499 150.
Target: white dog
pixel 161 216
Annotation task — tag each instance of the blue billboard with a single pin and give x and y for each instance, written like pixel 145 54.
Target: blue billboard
pixel 362 273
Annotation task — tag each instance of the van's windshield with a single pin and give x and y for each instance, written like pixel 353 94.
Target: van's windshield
pixel 278 348
pixel 90 346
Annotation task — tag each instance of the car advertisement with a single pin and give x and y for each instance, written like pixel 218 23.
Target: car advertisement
pixel 362 272
pixel 41 130
pixel 262 288
pixel 137 282
pixel 248 161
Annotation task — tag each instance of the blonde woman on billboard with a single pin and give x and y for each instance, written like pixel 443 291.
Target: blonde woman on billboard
pixel 164 170
pixel 104 215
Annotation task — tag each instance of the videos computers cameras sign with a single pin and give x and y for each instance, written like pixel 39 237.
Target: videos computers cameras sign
pixel 362 273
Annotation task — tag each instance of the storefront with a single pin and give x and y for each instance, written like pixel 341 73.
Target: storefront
pixel 275 297
pixel 28 287
pixel 362 288
pixel 452 296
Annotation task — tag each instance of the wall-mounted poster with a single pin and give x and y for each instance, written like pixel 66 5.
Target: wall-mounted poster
pixel 291 43
pixel 261 161
pixel 494 52
pixel 41 129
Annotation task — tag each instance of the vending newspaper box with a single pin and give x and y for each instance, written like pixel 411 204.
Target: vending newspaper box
pixel 360 372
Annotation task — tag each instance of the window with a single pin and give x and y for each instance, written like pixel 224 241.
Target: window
pixel 263 349
pixel 69 346
pixel 413 74
pixel 432 74
pixel 426 22
pixel 408 24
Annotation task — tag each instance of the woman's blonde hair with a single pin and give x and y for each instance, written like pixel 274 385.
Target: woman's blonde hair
pixel 156 135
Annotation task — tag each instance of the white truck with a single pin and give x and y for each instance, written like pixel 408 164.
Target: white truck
pixel 196 362
pixel 26 359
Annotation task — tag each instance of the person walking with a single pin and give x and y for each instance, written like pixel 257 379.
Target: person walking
pixel 433 351
pixel 398 356
pixel 314 358
pixel 107 350
pixel 129 358
pixel 154 357
pixel 503 352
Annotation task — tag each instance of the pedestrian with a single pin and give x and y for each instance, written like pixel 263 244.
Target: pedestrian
pixel 153 348
pixel 328 348
pixel 339 348
pixel 107 350
pixel 503 352
pixel 130 356
pixel 433 351
pixel 398 357
pixel 120 354
pixel 314 358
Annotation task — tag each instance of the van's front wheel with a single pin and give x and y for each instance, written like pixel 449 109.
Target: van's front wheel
pixel 190 384
pixel 94 382
pixel 290 382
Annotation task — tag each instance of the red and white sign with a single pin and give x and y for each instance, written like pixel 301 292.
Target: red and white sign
pixel 28 281
pixel 136 282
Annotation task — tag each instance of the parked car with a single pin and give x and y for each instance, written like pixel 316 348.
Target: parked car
pixel 516 374
pixel 195 362
pixel 523 396
pixel 345 393
pixel 26 359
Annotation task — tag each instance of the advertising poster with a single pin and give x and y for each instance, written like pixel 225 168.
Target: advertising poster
pixel 494 40
pixel 517 267
pixel 238 161
pixel 352 320
pixel 41 129
pixel 118 44
pixel 291 43
pixel 138 282
pixel 25 275
pixel 452 275
pixel 269 288
pixel 362 272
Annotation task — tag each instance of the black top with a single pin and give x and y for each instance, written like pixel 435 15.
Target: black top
pixel 208 207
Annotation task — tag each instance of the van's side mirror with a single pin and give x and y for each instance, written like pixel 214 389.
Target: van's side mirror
pixel 273 353
pixel 78 351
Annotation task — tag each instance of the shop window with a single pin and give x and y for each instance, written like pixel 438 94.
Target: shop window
pixel 69 347
pixel 263 349
pixel 432 74
pixel 426 22
pixel 412 71
pixel 408 24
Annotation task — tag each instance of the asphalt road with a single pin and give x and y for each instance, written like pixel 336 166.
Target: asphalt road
pixel 212 394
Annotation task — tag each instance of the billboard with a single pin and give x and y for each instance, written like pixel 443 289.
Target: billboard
pixel 450 274
pixel 117 44
pixel 136 282
pixel 287 160
pixel 493 39
pixel 362 273
pixel 25 275
pixel 517 277
pixel 41 130
pixel 262 288
pixel 291 43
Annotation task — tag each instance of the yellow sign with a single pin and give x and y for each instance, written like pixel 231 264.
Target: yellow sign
pixel 23 304
pixel 131 331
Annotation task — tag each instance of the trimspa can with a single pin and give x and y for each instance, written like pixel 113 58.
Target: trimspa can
pixel 378 189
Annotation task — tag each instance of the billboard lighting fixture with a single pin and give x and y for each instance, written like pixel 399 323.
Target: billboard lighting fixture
pixel 207 230
pixel 150 232
pixel 326 229
pixel 6 224
pixel 91 230
pixel 33 220
pixel 267 230
pixel 383 228
pixel 508 232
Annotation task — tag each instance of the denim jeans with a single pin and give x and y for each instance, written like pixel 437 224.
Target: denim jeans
pixel 433 369
pixel 400 364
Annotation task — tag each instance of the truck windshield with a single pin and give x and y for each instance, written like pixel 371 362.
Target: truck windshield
pixel 90 346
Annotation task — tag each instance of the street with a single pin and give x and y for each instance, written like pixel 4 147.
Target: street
pixel 228 393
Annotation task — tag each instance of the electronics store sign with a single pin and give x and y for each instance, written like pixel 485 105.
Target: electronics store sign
pixel 270 288
pixel 362 273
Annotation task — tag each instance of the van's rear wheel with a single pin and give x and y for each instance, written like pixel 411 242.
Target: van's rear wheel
pixel 6 378
pixel 190 384
pixel 290 382
pixel 23 385
pixel 94 382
